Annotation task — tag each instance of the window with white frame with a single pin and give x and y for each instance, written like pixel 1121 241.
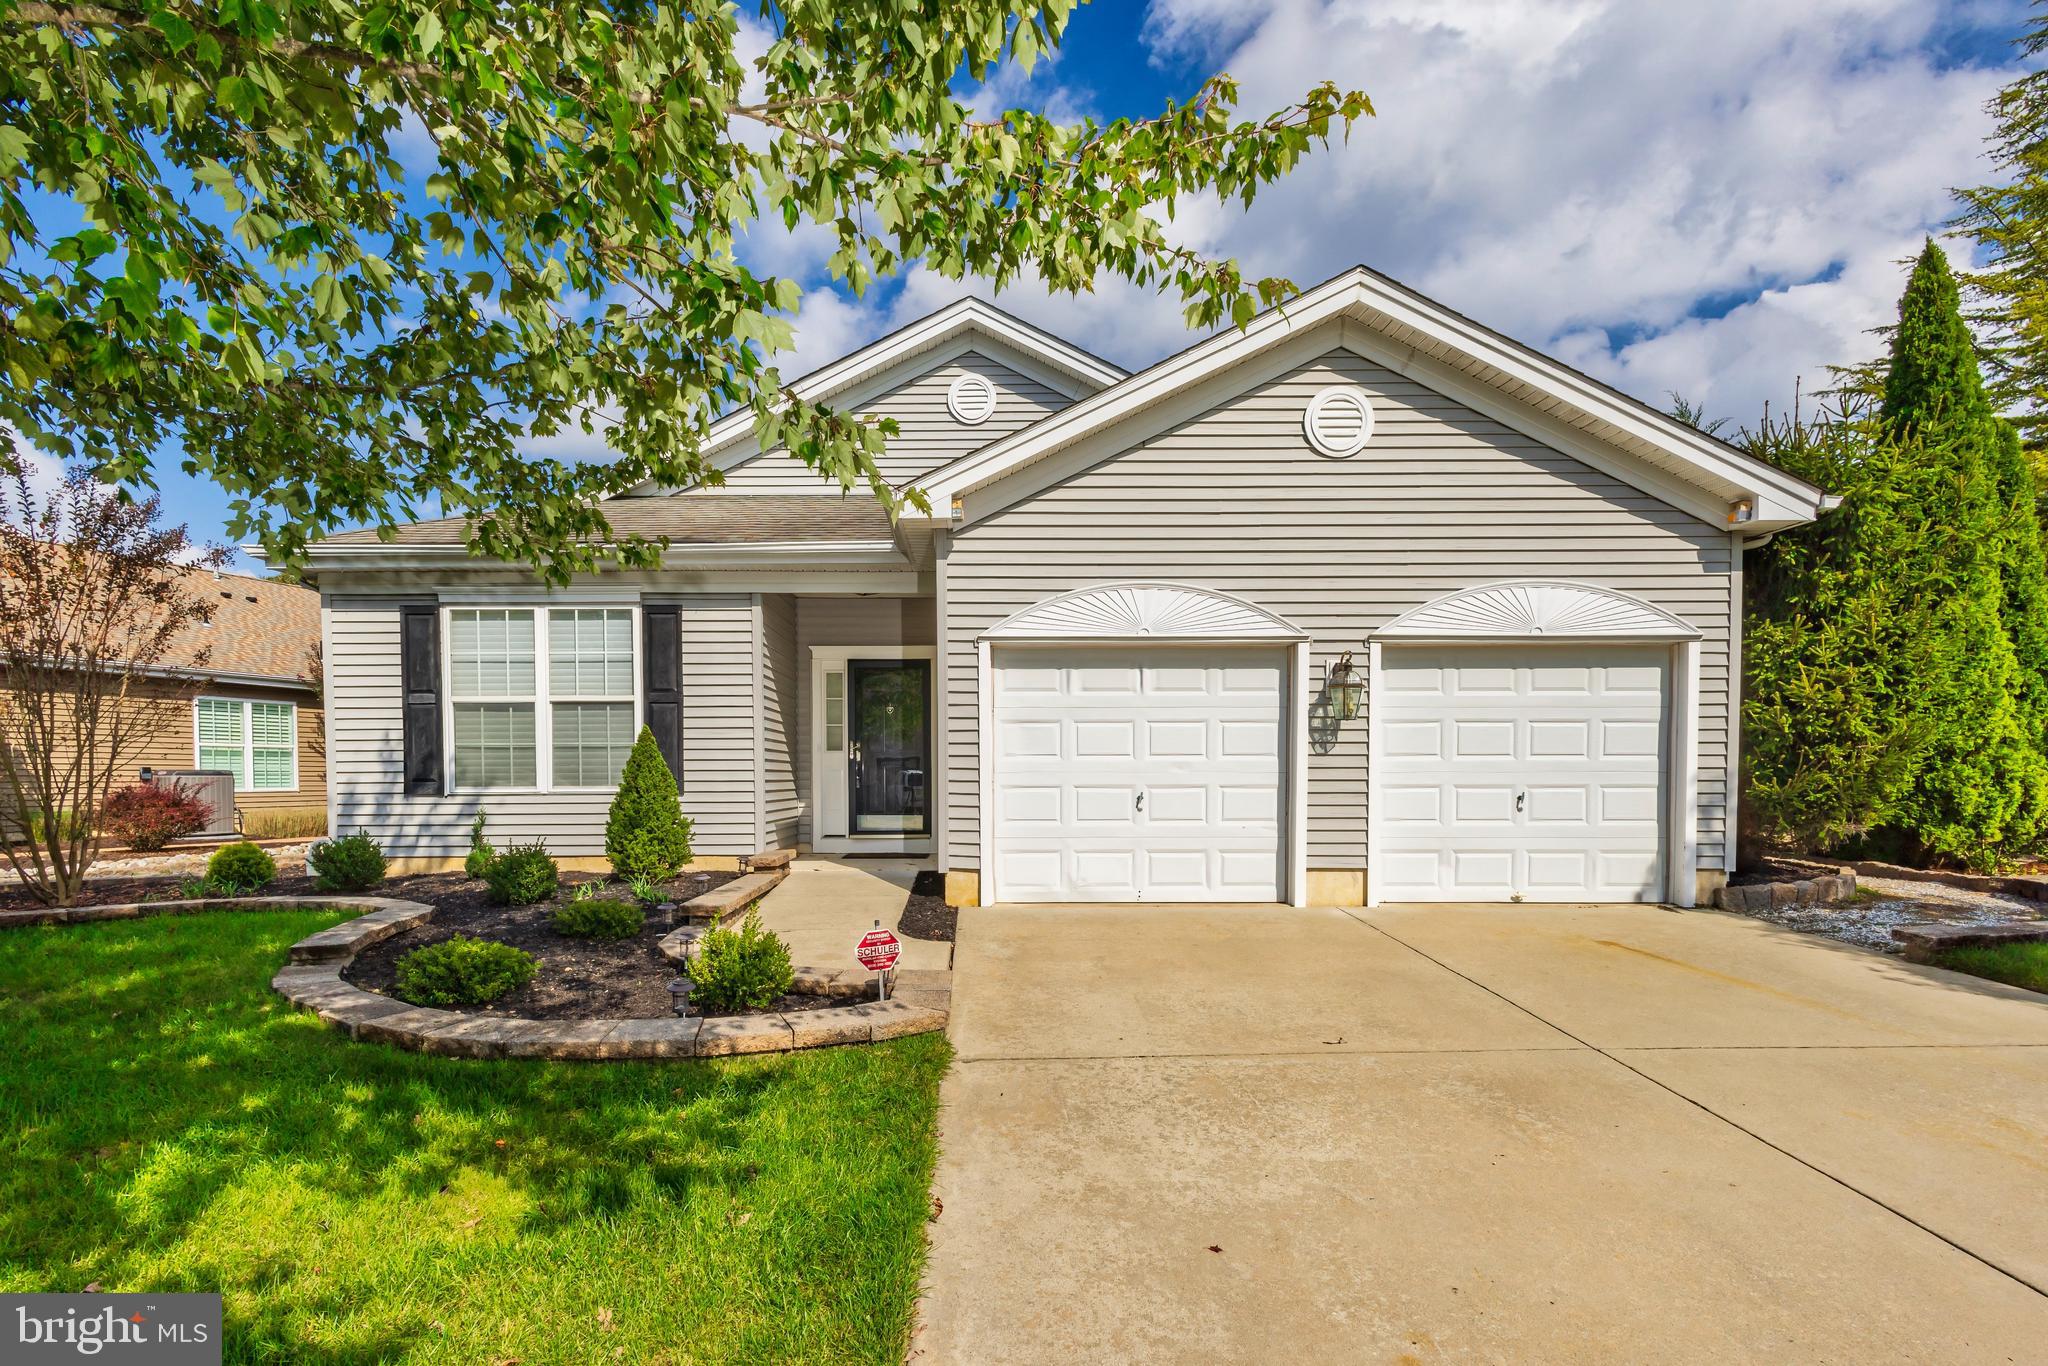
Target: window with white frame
pixel 518 725
pixel 590 691
pixel 256 741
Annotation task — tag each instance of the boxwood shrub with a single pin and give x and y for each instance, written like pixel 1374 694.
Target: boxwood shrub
pixel 600 918
pixel 523 875
pixel 461 971
pixel 353 863
pixel 741 969
pixel 239 869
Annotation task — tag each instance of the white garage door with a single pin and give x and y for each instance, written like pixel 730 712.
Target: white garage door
pixel 1138 773
pixel 1535 772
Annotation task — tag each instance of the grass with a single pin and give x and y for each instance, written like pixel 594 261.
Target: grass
pixel 166 1123
pixel 284 822
pixel 2020 965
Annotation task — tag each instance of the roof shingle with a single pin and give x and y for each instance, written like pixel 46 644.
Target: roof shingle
pixel 696 518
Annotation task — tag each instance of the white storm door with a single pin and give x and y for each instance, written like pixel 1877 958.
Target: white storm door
pixel 1522 772
pixel 1138 773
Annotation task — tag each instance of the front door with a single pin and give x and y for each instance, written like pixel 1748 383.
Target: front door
pixel 888 746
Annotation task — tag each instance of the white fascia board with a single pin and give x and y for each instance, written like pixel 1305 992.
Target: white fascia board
pixel 1778 499
pixel 853 555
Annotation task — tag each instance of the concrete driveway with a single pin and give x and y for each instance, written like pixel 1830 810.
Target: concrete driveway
pixel 1437 1134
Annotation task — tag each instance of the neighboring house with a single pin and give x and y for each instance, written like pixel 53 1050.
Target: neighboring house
pixel 1109 665
pixel 253 706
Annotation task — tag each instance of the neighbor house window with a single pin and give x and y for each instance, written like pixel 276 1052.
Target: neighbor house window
pixel 517 724
pixel 590 692
pixel 255 741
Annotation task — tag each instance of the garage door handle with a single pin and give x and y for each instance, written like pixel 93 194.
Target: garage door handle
pixel 1141 801
pixel 1520 797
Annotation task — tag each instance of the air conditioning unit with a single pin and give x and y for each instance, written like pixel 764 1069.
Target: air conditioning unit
pixel 213 786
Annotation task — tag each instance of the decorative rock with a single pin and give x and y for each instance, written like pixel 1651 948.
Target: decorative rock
pixel 724 1035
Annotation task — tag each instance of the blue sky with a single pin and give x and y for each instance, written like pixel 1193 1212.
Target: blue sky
pixel 1712 200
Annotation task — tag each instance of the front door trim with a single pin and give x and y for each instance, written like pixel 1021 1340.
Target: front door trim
pixel 826 659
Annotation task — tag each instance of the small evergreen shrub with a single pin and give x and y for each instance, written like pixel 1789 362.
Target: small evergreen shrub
pixel 478 863
pixel 599 918
pixel 238 869
pixel 461 971
pixel 647 834
pixel 747 968
pixel 151 815
pixel 353 863
pixel 524 875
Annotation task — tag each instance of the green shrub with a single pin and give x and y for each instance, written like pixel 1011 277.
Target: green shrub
pixel 599 918
pixel 646 834
pixel 523 875
pixel 743 968
pixel 353 863
pixel 463 972
pixel 238 869
pixel 478 864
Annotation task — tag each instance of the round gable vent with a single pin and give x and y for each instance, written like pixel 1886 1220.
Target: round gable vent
pixel 1338 421
pixel 971 399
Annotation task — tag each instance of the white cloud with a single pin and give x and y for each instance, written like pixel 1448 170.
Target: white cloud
pixel 1587 175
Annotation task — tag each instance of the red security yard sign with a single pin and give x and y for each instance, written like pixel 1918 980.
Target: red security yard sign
pixel 878 950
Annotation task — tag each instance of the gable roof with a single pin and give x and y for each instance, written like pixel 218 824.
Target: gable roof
pixel 964 325
pixel 1425 341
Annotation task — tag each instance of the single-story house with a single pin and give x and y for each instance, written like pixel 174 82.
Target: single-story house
pixel 240 694
pixel 1361 602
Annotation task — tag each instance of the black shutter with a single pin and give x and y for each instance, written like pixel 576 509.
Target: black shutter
pixel 663 648
pixel 420 646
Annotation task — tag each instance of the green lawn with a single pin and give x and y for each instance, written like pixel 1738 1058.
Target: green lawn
pixel 166 1123
pixel 2022 965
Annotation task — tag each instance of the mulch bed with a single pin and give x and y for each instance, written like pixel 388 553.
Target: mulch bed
pixel 579 979
pixel 120 891
pixel 926 915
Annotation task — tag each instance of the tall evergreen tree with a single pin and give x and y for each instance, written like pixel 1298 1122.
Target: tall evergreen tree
pixel 1982 786
pixel 2008 223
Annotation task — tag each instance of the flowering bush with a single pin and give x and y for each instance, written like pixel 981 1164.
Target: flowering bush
pixel 150 815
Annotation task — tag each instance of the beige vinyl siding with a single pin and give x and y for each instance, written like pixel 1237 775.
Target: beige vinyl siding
pixel 929 436
pixel 850 621
pixel 781 685
pixel 366 742
pixel 1235 500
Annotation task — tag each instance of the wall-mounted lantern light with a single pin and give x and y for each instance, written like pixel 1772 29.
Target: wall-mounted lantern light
pixel 1345 687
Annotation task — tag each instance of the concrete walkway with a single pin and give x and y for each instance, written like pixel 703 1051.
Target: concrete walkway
pixel 1587 1134
pixel 825 905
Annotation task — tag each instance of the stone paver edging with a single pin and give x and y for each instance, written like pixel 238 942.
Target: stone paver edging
pixel 1761 896
pixel 312 981
pixel 1924 943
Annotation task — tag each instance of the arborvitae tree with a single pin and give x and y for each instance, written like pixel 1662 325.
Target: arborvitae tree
pixel 646 834
pixel 1833 730
pixel 1981 789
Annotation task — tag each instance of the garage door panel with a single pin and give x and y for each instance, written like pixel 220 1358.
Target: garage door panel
pixel 1552 785
pixel 1198 732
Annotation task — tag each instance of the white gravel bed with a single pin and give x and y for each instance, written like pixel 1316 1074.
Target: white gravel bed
pixel 1868 923
pixel 290 858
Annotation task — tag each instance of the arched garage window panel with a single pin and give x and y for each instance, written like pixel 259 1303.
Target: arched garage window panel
pixel 1144 611
pixel 1537 609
